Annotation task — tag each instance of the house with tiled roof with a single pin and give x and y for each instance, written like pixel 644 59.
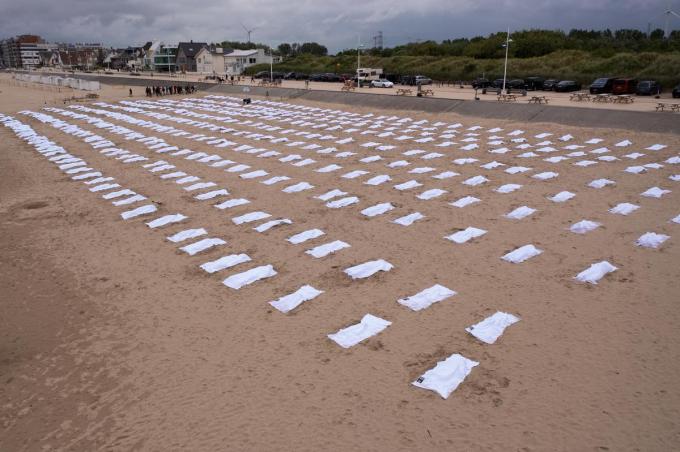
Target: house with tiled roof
pixel 186 55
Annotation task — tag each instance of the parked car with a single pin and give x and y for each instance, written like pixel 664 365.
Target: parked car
pixel 624 86
pixel 566 86
pixel 602 85
pixel 407 80
pixel 381 83
pixel 261 74
pixel 422 80
pixel 295 76
pixel 516 83
pixel 480 83
pixel 676 92
pixel 648 88
pixel 549 85
pixel 534 83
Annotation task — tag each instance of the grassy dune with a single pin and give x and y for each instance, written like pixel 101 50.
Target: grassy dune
pixel 565 65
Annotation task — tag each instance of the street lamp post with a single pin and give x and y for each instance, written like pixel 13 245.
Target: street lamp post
pixel 358 59
pixel 505 68
pixel 271 65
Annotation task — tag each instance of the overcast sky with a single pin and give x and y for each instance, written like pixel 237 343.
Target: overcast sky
pixel 334 23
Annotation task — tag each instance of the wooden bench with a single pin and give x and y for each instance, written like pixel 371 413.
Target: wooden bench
pixel 404 92
pixel 538 100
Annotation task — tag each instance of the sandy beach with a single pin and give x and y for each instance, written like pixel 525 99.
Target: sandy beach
pixel 113 338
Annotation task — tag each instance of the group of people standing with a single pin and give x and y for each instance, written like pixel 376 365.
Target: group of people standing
pixel 169 90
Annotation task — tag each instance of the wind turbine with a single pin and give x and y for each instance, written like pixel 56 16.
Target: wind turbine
pixel 248 31
pixel 667 16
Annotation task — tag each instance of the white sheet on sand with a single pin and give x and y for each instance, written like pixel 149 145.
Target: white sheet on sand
pixel 447 375
pixel 432 193
pixel 368 269
pixel 508 188
pixel 187 234
pixel 521 254
pixel 187 180
pixel 119 193
pixel 545 176
pixel 446 175
pixel 202 245
pixel 651 240
pixel 595 272
pixel 466 234
pixel 476 180
pixel 331 194
pixel 676 220
pixel 98 180
pixel 562 196
pixel 130 200
pixel 300 186
pixel 274 180
pixel 211 194
pixel 329 168
pixel 465 201
pixel 200 186
pixel 517 169
pixel 254 174
pixel 584 226
pixel 142 210
pixel 248 277
pixel 104 187
pixel 228 204
pixel 327 248
pixel 409 219
pixel 378 209
pixel 520 212
pixel 174 175
pixel 654 192
pixel 354 174
pixel 408 185
pixel 250 217
pixel 377 180
pixel 599 183
pixel 427 297
pixel 87 175
pixel 305 235
pixel 492 327
pixel 291 301
pixel 370 325
pixel 273 223
pixel 342 202
pixel 624 208
pixel 165 220
pixel 225 262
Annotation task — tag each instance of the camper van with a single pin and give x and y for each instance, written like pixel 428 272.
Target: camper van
pixel 366 75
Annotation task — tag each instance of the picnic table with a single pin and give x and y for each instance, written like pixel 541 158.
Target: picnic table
pixel 538 100
pixel 579 97
pixel 404 92
pixel 507 98
pixel 348 86
pixel 671 107
pixel 602 98
pixel 623 99
pixel 427 92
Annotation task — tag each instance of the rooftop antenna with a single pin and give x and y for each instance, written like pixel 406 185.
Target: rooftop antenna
pixel 248 31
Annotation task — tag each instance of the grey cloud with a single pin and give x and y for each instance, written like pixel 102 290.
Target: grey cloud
pixel 334 23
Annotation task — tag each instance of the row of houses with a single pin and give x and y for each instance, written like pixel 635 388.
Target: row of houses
pixel 31 52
